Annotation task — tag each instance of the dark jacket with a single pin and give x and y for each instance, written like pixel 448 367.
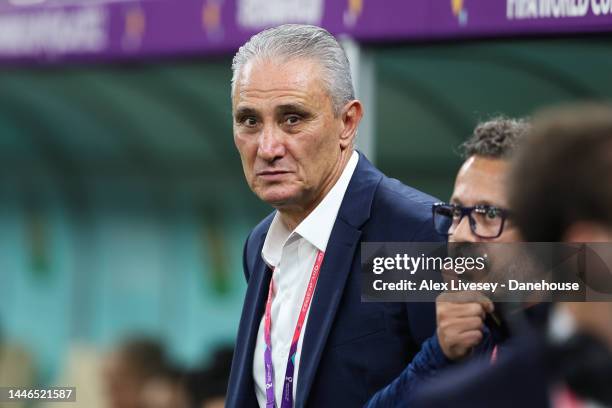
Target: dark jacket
pixel 350 349
pixel 430 362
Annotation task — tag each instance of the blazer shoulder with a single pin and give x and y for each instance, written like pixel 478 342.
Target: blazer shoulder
pixel 394 189
pixel 252 246
pixel 401 207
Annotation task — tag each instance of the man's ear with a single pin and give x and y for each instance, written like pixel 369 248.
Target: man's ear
pixel 351 116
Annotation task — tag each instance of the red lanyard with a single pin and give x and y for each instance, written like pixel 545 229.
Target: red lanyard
pixel 287 398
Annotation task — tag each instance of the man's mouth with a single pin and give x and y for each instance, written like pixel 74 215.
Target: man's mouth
pixel 272 174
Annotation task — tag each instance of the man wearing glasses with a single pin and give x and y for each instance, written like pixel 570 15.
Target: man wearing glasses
pixel 560 192
pixel 477 212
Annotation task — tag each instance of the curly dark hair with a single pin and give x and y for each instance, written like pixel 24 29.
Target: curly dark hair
pixel 562 174
pixel 496 138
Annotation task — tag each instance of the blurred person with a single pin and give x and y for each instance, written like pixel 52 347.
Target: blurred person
pixel 165 390
pixel 295 121
pixel 17 368
pixel 129 368
pixel 82 368
pixel 477 213
pixel 560 191
pixel 207 388
pixel 218 376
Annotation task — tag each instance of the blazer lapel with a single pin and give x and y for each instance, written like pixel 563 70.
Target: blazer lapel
pixel 339 255
pixel 257 291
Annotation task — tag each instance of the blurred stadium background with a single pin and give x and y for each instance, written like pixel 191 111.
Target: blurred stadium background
pixel 123 208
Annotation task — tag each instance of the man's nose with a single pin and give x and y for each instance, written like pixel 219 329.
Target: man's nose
pixel 462 232
pixel 271 146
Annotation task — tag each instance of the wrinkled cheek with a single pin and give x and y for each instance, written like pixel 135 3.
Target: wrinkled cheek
pixel 254 183
pixel 245 154
pixel 247 148
pixel 248 164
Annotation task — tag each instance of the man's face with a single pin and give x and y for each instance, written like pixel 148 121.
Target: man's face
pixel 482 181
pixel 286 132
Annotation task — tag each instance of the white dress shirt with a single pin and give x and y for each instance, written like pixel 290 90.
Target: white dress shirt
pixel 291 254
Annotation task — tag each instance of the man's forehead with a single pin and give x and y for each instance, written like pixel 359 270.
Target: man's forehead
pixel 482 181
pixel 274 78
pixel 294 71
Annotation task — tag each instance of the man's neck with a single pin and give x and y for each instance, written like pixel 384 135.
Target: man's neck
pixel 292 217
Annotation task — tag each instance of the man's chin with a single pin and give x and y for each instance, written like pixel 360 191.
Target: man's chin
pixel 277 199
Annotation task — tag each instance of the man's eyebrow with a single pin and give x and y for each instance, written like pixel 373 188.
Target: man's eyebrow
pixel 488 204
pixel 244 111
pixel 456 201
pixel 292 107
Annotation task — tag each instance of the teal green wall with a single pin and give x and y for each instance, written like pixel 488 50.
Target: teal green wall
pixel 431 96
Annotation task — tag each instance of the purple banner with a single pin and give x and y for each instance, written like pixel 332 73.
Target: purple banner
pixel 91 30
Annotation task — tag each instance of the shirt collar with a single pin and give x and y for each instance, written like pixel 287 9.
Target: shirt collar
pixel 316 227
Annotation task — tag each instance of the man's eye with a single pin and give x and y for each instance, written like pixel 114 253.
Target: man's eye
pixel 249 121
pixel 292 120
pixel 492 213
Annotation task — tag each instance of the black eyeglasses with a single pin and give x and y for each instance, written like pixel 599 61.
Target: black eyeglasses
pixel 486 221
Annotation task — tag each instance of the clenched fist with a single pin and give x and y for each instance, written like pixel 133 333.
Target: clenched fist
pixel 460 317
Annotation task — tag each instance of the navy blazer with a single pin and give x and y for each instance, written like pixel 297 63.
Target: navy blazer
pixel 350 349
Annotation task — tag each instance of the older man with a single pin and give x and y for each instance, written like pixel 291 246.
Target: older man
pixel 305 338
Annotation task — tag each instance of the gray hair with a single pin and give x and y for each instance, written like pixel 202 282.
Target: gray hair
pixel 497 138
pixel 290 41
